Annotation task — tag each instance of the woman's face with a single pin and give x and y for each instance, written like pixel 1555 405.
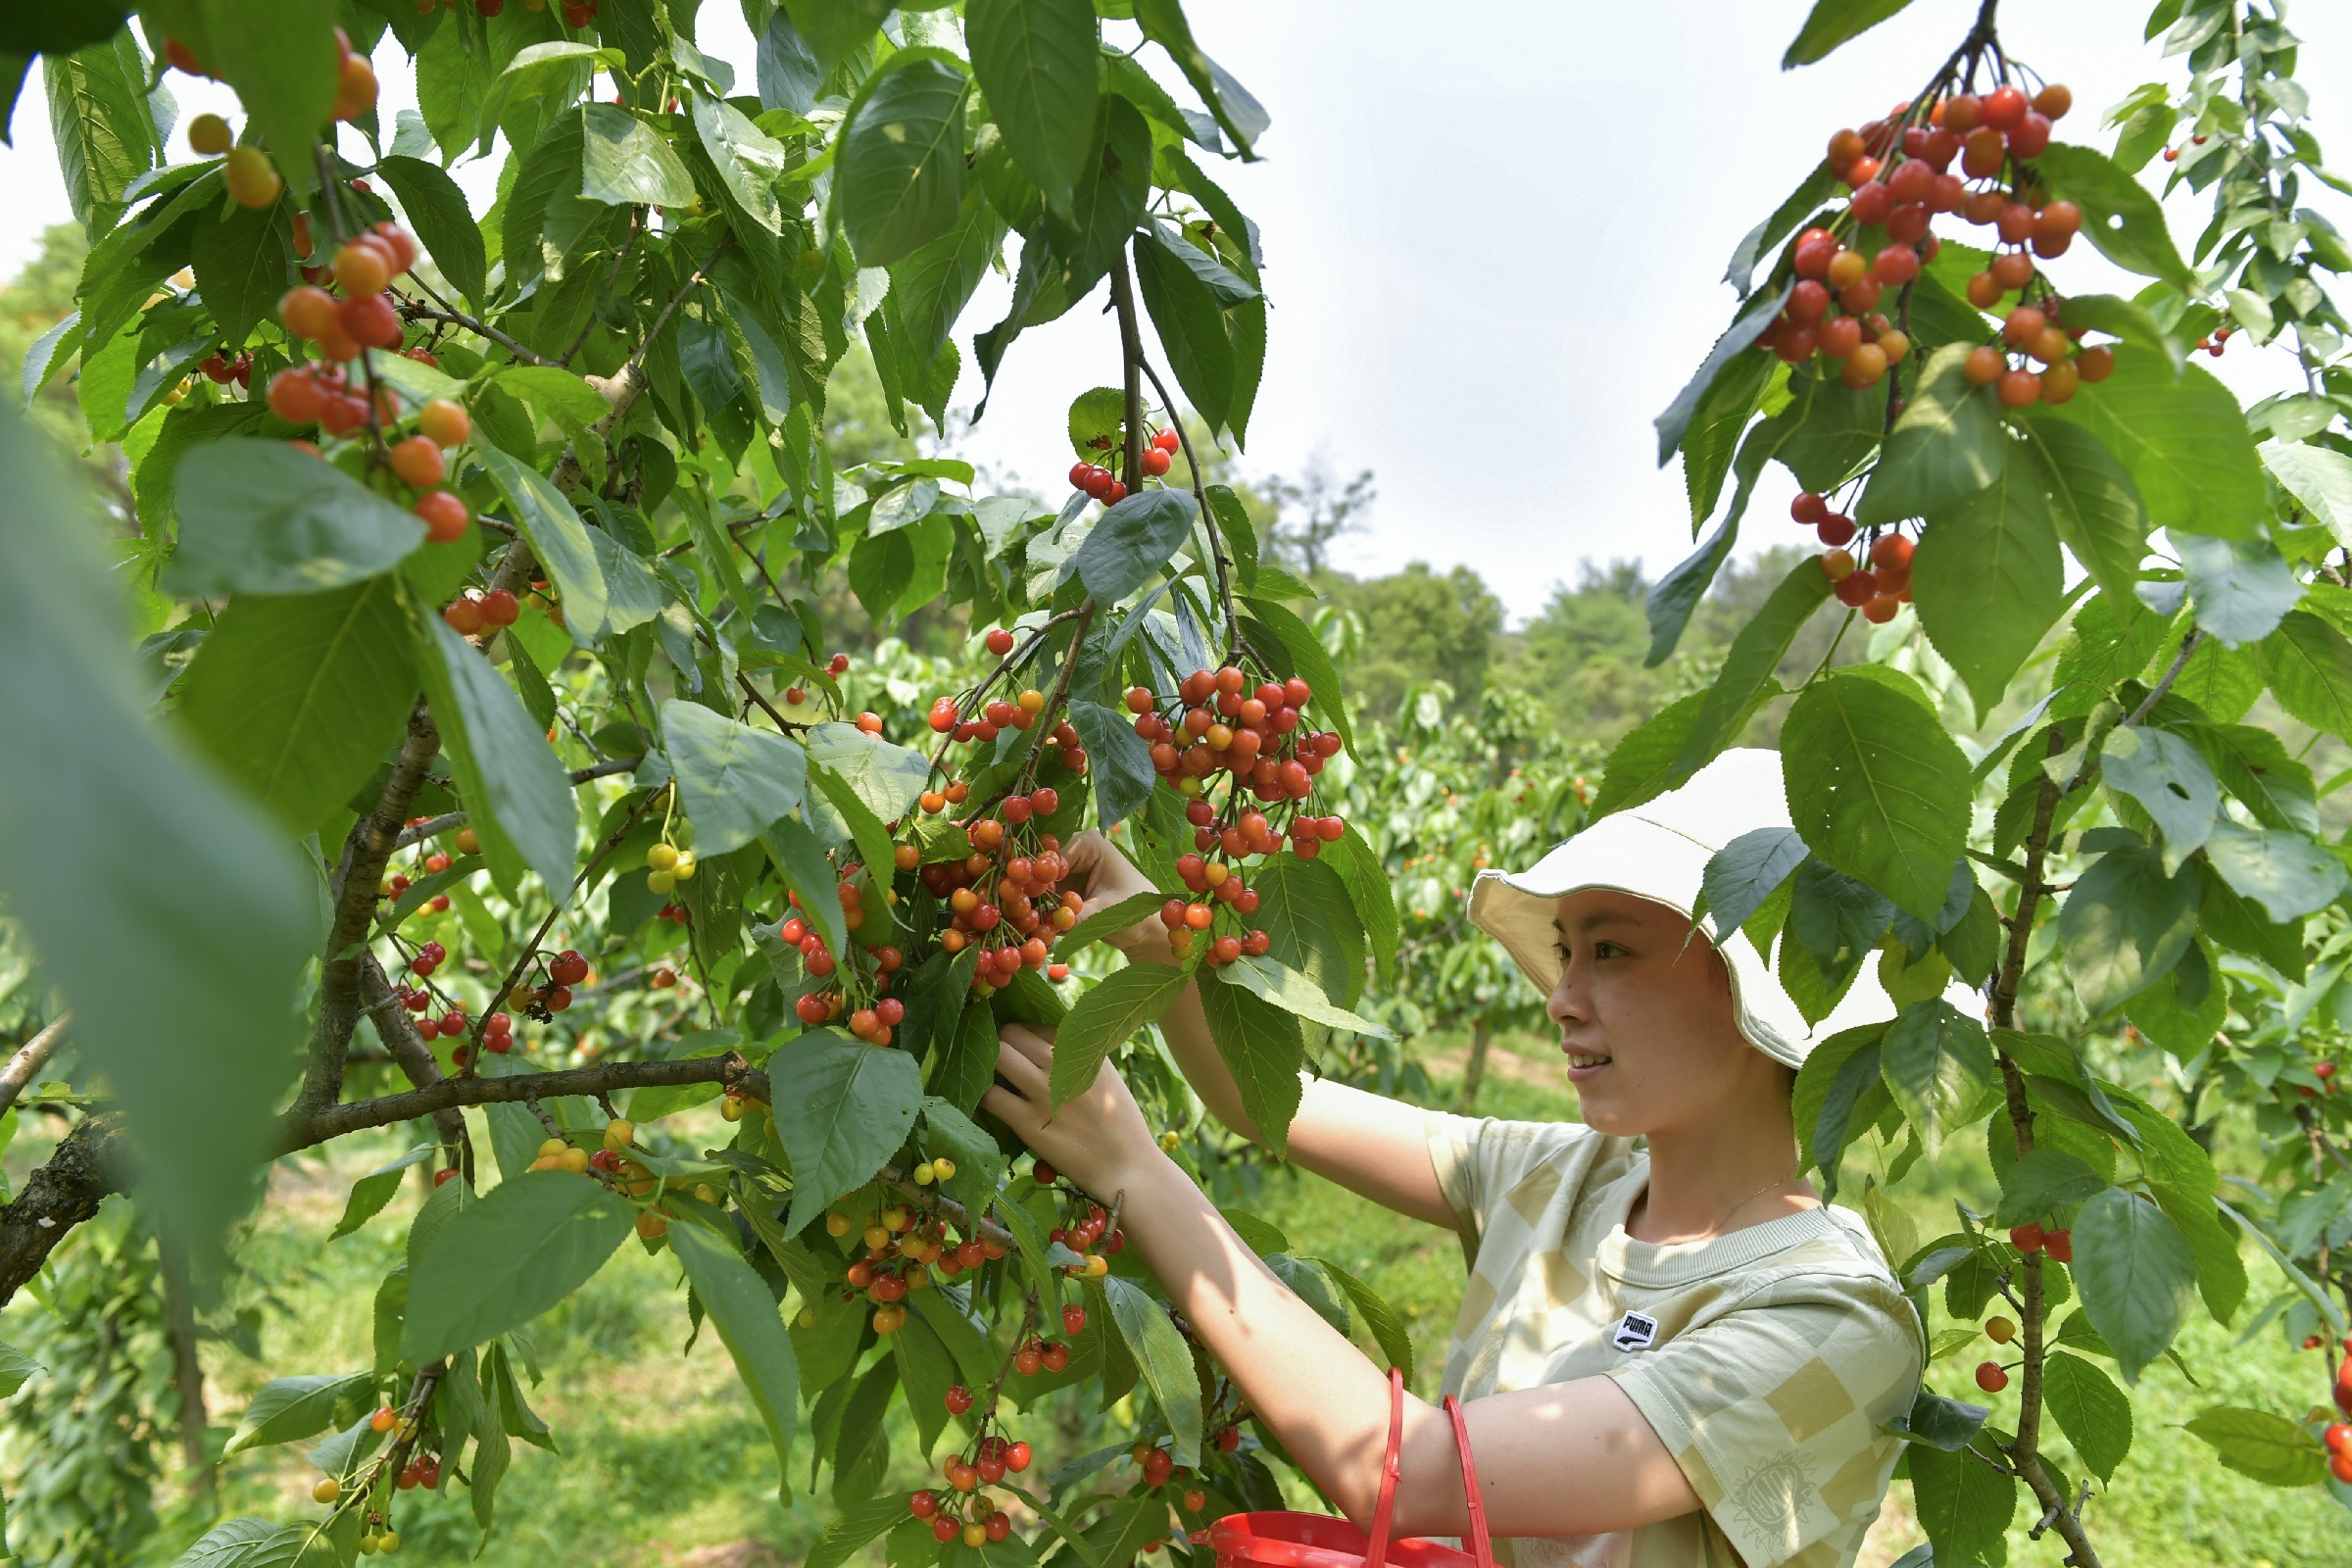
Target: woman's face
pixel 1644 1009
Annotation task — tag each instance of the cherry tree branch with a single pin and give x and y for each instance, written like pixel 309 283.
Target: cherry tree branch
pixel 409 1053
pixel 31 1058
pixel 57 1197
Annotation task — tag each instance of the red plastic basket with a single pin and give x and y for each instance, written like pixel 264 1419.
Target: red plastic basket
pixel 1286 1540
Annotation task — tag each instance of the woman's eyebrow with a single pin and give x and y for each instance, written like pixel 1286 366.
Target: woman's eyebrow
pixel 1597 921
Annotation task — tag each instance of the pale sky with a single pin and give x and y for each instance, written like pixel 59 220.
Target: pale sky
pixel 1495 235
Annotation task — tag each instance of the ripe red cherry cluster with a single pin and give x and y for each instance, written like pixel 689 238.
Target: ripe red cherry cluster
pixel 1899 172
pixel 1879 590
pixel 964 1513
pixel 565 971
pixel 2030 1238
pixel 1005 896
pixel 2339 1436
pixel 1224 723
pixel 221 370
pixel 476 610
pixel 424 1470
pixel 2034 334
pixel 901 1252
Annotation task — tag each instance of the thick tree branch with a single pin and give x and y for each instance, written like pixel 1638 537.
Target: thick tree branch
pixel 31 1058
pixel 58 1196
pixel 366 851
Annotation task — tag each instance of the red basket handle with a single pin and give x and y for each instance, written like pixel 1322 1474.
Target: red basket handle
pixel 1482 1545
pixel 1377 1554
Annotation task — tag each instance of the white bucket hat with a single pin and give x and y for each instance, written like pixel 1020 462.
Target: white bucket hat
pixel 1660 851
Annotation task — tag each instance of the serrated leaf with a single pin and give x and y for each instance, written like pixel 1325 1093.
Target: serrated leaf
pixel 2094 1414
pixel 1946 445
pixel 1987 578
pixel 745 1314
pixel 851 1107
pixel 261 516
pixel 507 1257
pixel 288 1408
pixel 1165 1360
pixel 1285 988
pixel 1110 1011
pixel 2262 1444
pixel 1263 1048
pixel 371 1192
pixel 899 175
pixel 734 781
pixel 1878 788
pixel 2136 1271
pixel 2182 438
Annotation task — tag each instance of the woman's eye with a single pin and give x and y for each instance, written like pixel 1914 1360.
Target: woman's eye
pixel 1607 949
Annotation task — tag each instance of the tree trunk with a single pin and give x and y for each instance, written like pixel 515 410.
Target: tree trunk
pixel 1474 1070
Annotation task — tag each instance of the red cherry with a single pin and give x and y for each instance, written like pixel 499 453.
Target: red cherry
pixel 1073 1319
pixel 2004 108
pixel 1991 1378
pixel 999 642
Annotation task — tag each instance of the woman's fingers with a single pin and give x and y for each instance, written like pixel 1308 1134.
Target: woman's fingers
pixel 1027 1074
pixel 1012 1110
pixel 1029 1042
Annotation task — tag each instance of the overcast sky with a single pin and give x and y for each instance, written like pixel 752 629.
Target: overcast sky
pixel 1495 235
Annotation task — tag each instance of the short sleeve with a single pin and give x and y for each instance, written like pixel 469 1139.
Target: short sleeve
pixel 1776 1411
pixel 1478 1158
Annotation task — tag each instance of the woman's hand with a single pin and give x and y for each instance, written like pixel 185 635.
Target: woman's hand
pixel 1103 877
pixel 1097 1138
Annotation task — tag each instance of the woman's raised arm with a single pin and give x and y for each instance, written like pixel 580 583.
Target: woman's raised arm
pixel 1370 1144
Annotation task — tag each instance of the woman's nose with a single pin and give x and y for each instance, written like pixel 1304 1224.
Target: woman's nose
pixel 1566 1004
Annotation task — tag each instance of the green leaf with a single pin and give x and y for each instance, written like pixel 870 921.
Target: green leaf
pixel 1987 578
pixel 2183 439
pixel 2041 1183
pixel 1962 1503
pixel 287 1408
pixel 1369 890
pixel 749 161
pixel 1388 1329
pixel 1166 1361
pixel 1946 445
pixel 99 120
pixel 835 29
pixel 2119 214
pixel 1190 323
pixel 2094 1414
pixel 1877 787
pixel 2262 1444
pixel 1133 541
pixel 930 288
pixel 260 517
pixel 2307 665
pixel 2221 1272
pixel 2170 780
pixel 1119 762
pixel 2319 477
pixel 851 1107
pixel 1720 713
pixel 1285 988
pixel 2123 924
pixel 559 541
pixel 241 266
pixel 1104 922
pixel 1304 910
pixel 1110 1011
pixel 627 164
pixel 749 1325
pixel 517 793
pixel 2124 319
pixel 299 697
pixel 1676 595
pixel 144 864
pixel 1238 114
pixel 553 73
pixel 2239 588
pixel 279 55
pixel 2286 872
pixel 509 1256
pixel 1936 1064
pixel 1263 1048
pixel 442 222
pixel 1835 23
pixel 371 1192
pixel 16 1370
pixel 246 1543
pixel 2135 1270
pixel 898 176
pixel 800 860
pixel 1713 436
pixel 1309 659
pixel 1036 61
pixel 849 1531
pixel 1739 338
pixel 1109 199
pixel 887 778
pixel 1746 871
pixel 734 781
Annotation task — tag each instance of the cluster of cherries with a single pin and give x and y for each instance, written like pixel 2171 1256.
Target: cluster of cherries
pixel 2028 1239
pixel 1223 723
pixel 902 1252
pixel 221 370
pixel 253 180
pixel 2337 1437
pixel 1006 897
pixel 1879 589
pixel 1899 173
pixel 665 866
pixel 874 1022
pixel 965 1513
pixel 1106 487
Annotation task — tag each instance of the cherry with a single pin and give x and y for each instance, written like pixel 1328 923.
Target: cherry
pixel 1016 1457
pixel 1155 462
pixel 2019 389
pixel 1872 202
pixel 1991 1378
pixel 2060 1245
pixel 943 1529
pixel 2028 1238
pixel 1167 439
pixel 2095 363
pixel 1073 1319
pixel 1983 153
pixel 1043 1174
pixel 1028 1360
pixel 999 642
pixel 417 461
pixel 253 180
pixel 2004 108
pixel 465 615
pixel 959 1400
pixel 1984 365
pixel 2053 101
pixel 2013 270
pixel 923 1504
pixel 1890 551
pixel 2031 136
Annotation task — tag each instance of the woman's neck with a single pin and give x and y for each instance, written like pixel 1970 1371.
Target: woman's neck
pixel 1742 1171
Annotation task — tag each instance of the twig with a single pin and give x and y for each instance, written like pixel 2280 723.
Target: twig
pixel 2189 645
pixel 31 1058
pixel 1216 540
pixel 381 999
pixel 448 821
pixel 932 1198
pixel 530 950
pixel 454 317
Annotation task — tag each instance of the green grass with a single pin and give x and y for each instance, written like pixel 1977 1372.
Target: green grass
pixel 664 1461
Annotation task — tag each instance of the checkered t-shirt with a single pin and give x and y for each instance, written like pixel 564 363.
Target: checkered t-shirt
pixel 1768 1361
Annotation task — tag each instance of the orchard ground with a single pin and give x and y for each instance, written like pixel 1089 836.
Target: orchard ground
pixel 665 1462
